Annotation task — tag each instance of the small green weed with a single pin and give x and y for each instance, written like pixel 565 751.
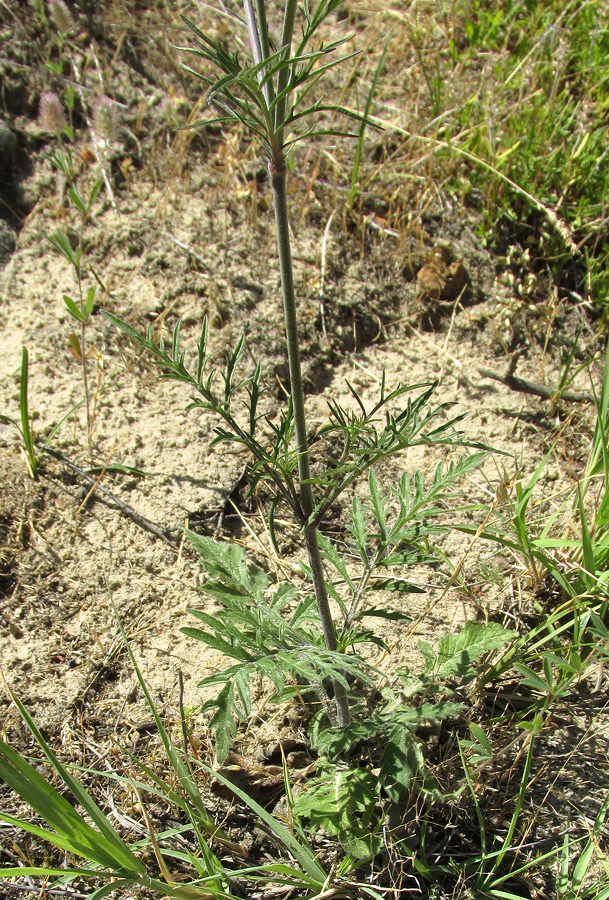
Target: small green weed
pixel 74 249
pixel 25 429
pixel 272 98
pixel 25 426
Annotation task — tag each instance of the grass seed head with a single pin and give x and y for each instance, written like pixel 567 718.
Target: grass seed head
pixel 50 114
pixel 105 119
pixel 60 15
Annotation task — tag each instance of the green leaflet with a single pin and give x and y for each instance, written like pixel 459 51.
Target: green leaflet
pixel 223 721
pixel 341 801
pixel 334 742
pixel 458 653
pixel 273 633
pixel 228 563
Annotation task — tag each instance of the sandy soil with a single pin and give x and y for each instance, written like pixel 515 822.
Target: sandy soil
pixel 67 560
pixel 192 234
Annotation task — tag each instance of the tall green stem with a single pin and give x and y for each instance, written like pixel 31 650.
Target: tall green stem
pixel 278 179
pixel 260 50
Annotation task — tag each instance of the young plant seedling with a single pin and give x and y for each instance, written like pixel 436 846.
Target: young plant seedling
pixel 26 427
pixel 80 309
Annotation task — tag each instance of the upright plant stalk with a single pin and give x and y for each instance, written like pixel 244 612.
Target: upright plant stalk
pixel 83 354
pixel 278 180
pixel 278 172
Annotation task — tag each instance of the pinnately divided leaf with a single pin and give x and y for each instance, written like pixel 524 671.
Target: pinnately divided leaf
pixel 341 800
pixel 271 632
pixel 458 653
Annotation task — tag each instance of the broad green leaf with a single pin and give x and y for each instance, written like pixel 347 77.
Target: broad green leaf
pixel 89 301
pixel 217 643
pixel 382 612
pixel 396 772
pixel 395 585
pixel 532 679
pixel 223 721
pixel 73 308
pixel 228 562
pixel 480 736
pixel 75 346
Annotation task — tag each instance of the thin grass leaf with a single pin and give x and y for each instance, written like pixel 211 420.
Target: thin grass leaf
pixel 26 425
pixel 71 832
pixel 45 872
pixel 108 833
pixel 587 544
pixel 299 850
pixel 177 763
pixel 583 862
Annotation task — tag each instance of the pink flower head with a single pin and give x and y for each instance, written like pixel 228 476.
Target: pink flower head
pixel 105 119
pixel 50 114
pixel 60 15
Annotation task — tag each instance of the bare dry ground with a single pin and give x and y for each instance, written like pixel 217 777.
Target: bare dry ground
pixel 409 288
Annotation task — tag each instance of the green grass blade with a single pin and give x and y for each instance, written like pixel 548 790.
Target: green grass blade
pixel 63 419
pixel 581 866
pixel 562 879
pixel 472 791
pixel 303 854
pixel 599 444
pixel 522 790
pixel 71 832
pixel 109 888
pixel 26 426
pixel 123 857
pixel 46 871
pixel 177 763
pixel 587 545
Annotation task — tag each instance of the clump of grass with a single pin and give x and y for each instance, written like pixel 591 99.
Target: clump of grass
pixel 508 119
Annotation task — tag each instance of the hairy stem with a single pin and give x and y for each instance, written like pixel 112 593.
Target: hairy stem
pixel 278 179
